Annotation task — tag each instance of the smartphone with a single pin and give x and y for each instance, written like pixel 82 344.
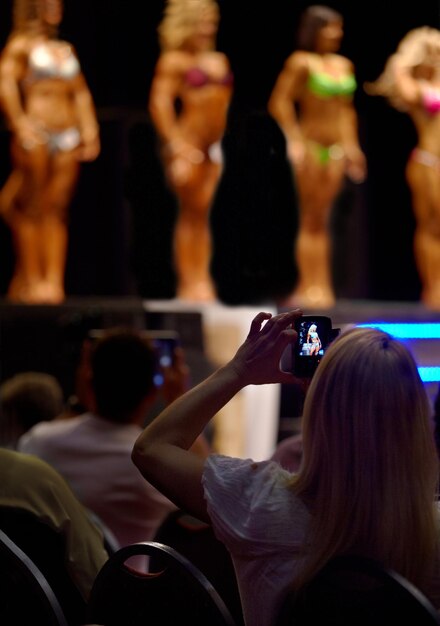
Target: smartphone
pixel 165 343
pixel 314 335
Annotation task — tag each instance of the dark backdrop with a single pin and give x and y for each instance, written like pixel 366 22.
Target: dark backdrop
pixel 122 214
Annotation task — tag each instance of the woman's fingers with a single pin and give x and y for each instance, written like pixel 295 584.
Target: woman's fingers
pixel 277 322
pixel 257 321
pixel 281 321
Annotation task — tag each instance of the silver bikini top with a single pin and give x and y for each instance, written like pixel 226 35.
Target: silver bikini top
pixel 52 59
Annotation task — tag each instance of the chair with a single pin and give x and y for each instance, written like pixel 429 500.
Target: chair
pixel 26 596
pixel 46 548
pixel 357 591
pixel 176 592
pixel 195 540
pixel 111 544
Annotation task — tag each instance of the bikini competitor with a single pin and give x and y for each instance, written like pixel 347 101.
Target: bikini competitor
pixel 313 103
pixel 49 111
pixel 192 74
pixel 313 338
pixel 411 82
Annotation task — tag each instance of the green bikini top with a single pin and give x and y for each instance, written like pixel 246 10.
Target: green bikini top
pixel 326 86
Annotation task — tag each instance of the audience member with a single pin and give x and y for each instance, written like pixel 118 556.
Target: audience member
pixel 368 479
pixel 26 399
pixel 31 485
pixel 92 451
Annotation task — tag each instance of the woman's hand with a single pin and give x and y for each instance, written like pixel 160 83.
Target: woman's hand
pixel 356 165
pixel 181 157
pixel 90 147
pixel 28 133
pixel 296 151
pixel 257 361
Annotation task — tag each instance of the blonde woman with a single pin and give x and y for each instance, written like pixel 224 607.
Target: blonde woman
pixel 312 101
pixel 189 99
pixel 367 483
pixel 411 83
pixel 49 111
pixel 314 340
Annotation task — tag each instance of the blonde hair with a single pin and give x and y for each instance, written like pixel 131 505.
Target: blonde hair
pixel 179 20
pixel 413 50
pixel 370 470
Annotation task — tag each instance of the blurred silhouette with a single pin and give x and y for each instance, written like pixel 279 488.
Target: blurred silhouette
pixel 189 98
pixel 313 103
pixel 50 114
pixel 411 83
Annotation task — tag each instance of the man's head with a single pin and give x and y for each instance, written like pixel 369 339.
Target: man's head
pixel 26 399
pixel 123 366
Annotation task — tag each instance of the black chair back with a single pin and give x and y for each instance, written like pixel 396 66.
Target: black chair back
pixel 195 540
pixel 175 593
pixel 357 591
pixel 26 596
pixel 111 544
pixel 46 548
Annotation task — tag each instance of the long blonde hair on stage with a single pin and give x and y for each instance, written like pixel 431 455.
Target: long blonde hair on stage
pixel 180 18
pixel 415 49
pixel 369 471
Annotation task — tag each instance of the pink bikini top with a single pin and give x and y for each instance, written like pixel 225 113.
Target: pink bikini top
pixel 431 102
pixel 196 77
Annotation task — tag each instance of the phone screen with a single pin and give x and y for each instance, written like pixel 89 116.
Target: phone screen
pixel 314 333
pixel 164 343
pixel 165 349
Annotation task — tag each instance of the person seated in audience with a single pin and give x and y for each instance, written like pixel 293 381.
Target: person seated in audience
pixel 26 399
pixel 368 480
pixel 30 485
pixel 93 450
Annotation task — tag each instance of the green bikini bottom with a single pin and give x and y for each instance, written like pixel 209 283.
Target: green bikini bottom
pixel 325 154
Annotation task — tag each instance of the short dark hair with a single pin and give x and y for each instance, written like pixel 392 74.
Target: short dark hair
pixel 123 365
pixel 312 20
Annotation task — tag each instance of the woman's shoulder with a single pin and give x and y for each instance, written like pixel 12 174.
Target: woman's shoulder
pixel 18 45
pixel 300 59
pixel 245 479
pixel 173 64
pixel 252 501
pixel 175 59
pixel 219 56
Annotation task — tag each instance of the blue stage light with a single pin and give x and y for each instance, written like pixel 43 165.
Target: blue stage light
pixel 429 374
pixel 430 330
